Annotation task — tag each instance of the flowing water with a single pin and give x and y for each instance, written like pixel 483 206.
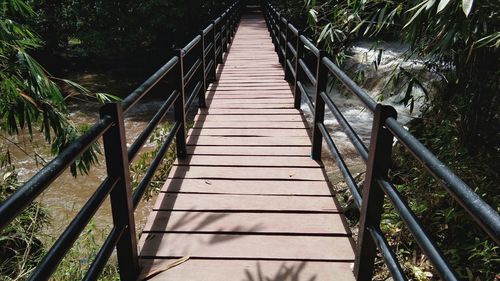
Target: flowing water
pixel 362 59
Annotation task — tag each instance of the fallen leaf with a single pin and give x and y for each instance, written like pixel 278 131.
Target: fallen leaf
pixel 162 267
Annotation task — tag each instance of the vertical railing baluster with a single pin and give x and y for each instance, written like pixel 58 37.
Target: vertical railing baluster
pixel 281 54
pixel 180 111
pixel 288 55
pixel 319 106
pixel 379 161
pixel 275 31
pixel 230 25
pixel 224 34
pixel 213 71
pixel 202 100
pixel 115 149
pixel 297 94
pixel 219 31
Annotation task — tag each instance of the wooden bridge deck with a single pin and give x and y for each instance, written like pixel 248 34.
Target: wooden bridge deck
pixel 248 203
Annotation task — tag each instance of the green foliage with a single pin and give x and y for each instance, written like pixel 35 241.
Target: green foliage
pixel 29 95
pixel 75 264
pixel 20 243
pixel 116 29
pixel 141 165
pixel 463 242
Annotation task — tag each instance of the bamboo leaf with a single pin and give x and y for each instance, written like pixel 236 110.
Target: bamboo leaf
pixel 417 13
pixel 313 14
pixel 430 4
pixel 467 6
pixel 442 5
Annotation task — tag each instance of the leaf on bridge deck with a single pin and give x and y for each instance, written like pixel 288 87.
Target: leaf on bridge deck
pixel 162 267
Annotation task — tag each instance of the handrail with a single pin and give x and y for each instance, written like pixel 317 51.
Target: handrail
pixel 482 213
pixel 118 157
pixel 18 201
pixel 145 87
pixel 377 157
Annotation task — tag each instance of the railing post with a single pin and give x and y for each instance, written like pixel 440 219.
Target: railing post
pixel 230 25
pixel 202 101
pixel 115 149
pixel 219 55
pixel 288 55
pixel 297 95
pixel 224 38
pixel 275 31
pixel 180 111
pixel 319 106
pixel 379 162
pixel 213 70
pixel 214 51
pixel 281 55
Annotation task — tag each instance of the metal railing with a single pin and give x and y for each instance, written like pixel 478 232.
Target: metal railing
pixel 191 71
pixel 296 53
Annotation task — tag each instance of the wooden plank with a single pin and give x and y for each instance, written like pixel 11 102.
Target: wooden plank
pixel 246 173
pixel 240 111
pixel 277 223
pixel 246 141
pixel 255 187
pixel 250 118
pixel 255 161
pixel 253 101
pixel 217 105
pixel 249 270
pixel 248 246
pixel 244 203
pixel 248 132
pixel 250 125
pixel 245 92
pixel 249 150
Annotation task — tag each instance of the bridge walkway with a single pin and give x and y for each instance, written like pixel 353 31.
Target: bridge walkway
pixel 248 203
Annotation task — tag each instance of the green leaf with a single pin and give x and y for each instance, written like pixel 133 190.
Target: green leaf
pixel 324 32
pixel 430 4
pixel 417 13
pixel 313 14
pixel 467 6
pixel 442 5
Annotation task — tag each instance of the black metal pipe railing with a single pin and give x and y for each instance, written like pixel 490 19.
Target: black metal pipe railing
pixel 148 176
pixel 57 252
pixel 104 254
pixel 145 87
pixel 481 212
pixel 388 255
pixel 346 127
pixel 349 179
pixel 421 236
pixel 377 158
pixel 350 85
pixel 307 72
pixel 202 61
pixel 143 137
pixel 29 191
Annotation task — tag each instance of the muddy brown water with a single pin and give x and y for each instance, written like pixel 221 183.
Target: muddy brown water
pixel 67 194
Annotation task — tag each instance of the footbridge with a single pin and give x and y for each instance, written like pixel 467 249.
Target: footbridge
pixel 248 197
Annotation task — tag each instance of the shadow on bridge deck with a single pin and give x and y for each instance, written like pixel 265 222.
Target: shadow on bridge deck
pixel 248 203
